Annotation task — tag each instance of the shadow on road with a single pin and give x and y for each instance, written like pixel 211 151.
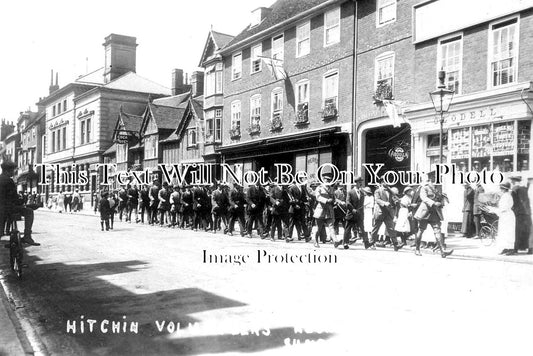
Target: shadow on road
pixel 58 295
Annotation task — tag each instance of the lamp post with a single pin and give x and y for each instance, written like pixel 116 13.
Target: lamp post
pixel 441 99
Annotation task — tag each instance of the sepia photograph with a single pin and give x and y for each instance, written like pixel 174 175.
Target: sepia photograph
pixel 266 177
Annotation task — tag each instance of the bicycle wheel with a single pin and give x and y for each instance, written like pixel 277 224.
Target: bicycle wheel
pixel 486 235
pixel 15 254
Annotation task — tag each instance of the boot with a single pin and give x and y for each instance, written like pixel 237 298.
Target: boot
pixel 443 252
pixel 397 246
pixel 418 241
pixel 102 225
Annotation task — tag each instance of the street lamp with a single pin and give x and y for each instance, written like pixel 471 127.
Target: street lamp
pixel 441 98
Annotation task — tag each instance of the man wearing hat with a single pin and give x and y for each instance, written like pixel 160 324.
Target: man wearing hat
pixel 522 212
pixel 279 201
pixel 175 202
pixel 298 199
pixel 153 194
pixel 255 204
pixel 430 212
pixel 219 203
pixel 186 203
pixel 384 213
pixel 10 203
pixel 355 214
pixel 236 208
pixel 324 213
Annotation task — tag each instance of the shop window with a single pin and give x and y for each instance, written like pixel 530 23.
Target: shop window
pixel 450 60
pixel 386 12
pixel 303 39
pixel 332 27
pixel 503 52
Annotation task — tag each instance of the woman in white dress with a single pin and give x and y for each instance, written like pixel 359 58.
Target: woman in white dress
pixel 368 212
pixel 60 202
pixel 403 224
pixel 506 224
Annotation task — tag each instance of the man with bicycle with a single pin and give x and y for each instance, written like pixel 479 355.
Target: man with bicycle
pixel 11 204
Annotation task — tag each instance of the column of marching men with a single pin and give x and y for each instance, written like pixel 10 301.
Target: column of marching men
pixel 312 212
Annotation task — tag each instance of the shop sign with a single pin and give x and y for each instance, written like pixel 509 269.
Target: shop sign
pixel 122 137
pixel 398 153
pixel 471 116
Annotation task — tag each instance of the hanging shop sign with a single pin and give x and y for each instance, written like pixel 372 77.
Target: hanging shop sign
pixel 398 153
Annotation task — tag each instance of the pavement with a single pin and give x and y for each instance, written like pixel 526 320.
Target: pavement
pixel 13 341
pixel 150 273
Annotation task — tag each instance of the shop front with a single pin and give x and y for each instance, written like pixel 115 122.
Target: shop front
pixel 484 131
pixel 305 152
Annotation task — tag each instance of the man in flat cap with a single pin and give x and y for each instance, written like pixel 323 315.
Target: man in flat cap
pixel 11 204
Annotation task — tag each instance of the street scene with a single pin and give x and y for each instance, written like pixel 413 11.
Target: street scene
pixel 369 302
pixel 271 177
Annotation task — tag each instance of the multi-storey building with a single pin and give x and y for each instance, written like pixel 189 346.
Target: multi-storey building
pixel 31 125
pixel 213 103
pixel 288 84
pixel 488 64
pixel 384 71
pixel 80 117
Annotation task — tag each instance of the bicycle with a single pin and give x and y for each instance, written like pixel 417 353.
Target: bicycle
pixel 489 227
pixel 16 249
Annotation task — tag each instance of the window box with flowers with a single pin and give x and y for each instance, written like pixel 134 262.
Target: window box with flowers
pixel 255 125
pixel 330 109
pixel 383 91
pixel 235 131
pixel 302 114
pixel 276 124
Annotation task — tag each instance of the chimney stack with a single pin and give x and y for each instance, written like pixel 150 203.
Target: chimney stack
pixel 178 85
pixel 197 83
pixel 52 88
pixel 259 15
pixel 120 56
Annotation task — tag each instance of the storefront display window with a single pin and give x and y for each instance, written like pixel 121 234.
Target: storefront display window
pixel 500 146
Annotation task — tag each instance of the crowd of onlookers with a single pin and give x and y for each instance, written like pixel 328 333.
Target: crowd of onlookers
pixel 508 212
pixel 66 201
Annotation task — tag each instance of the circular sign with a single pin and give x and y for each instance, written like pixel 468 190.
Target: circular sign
pixel 398 154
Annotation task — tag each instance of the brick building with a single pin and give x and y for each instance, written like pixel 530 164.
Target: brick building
pixel 304 117
pixel 487 57
pixel 385 70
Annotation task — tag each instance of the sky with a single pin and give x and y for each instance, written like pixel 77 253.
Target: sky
pixel 67 36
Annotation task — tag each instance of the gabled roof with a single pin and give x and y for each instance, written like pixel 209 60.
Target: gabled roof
pixel 128 122
pixel 131 81
pixel 173 101
pixel 165 117
pixel 280 11
pixel 194 109
pixel 216 41
pixel 221 39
